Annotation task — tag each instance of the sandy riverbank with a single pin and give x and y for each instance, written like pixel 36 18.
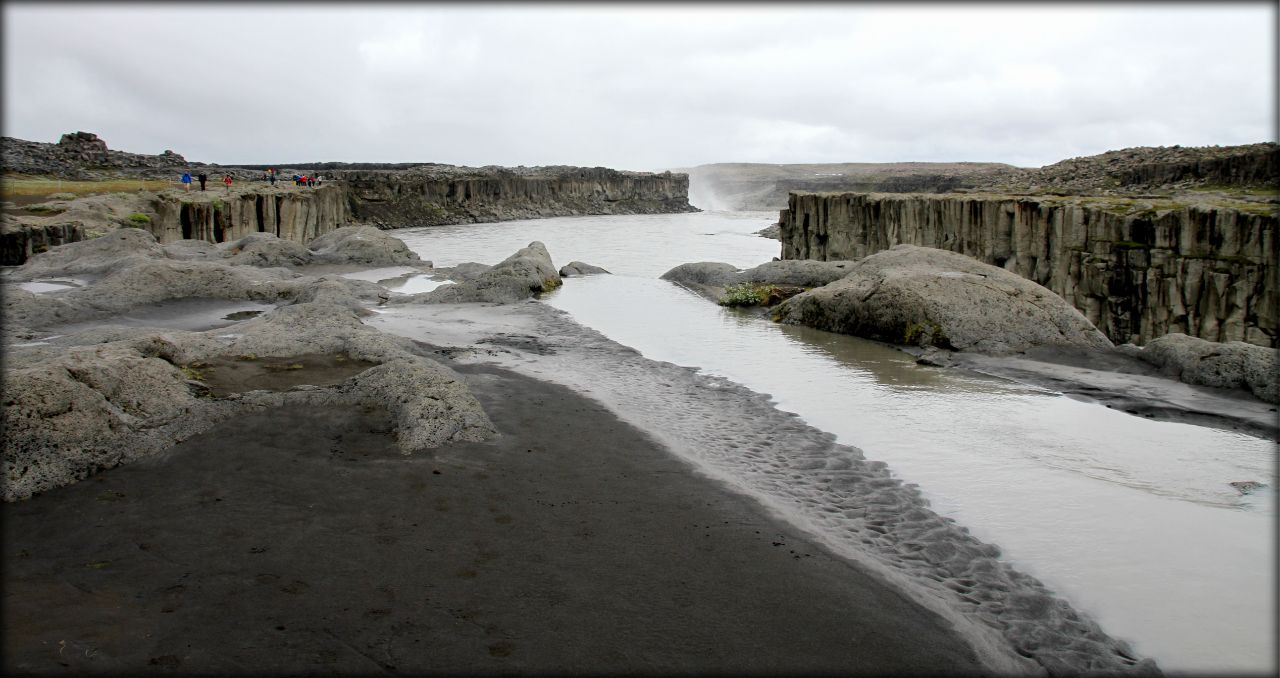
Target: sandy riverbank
pixel 303 541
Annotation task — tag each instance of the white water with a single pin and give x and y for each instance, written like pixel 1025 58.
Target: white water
pixel 1132 520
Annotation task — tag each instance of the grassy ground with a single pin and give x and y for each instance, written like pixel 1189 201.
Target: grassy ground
pixel 24 190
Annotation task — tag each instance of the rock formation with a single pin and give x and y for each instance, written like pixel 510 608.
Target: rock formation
pixel 80 401
pixel 1137 268
pixel 928 297
pixel 84 156
pixel 1233 364
pixel 453 195
pixel 579 268
pixel 362 245
pixel 771 281
pixel 527 272
pixel 383 195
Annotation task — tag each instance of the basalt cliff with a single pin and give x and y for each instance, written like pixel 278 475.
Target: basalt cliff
pixel 1137 267
pixel 384 195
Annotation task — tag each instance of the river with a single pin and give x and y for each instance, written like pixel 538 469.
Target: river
pixel 1131 520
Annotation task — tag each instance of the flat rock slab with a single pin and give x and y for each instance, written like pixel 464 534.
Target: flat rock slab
pixel 238 374
pixel 302 541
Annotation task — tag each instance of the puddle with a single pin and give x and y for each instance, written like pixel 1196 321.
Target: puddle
pixel 412 284
pixel 192 315
pixel 51 285
pixel 238 374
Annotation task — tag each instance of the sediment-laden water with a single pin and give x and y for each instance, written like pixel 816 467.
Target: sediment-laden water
pixel 1132 520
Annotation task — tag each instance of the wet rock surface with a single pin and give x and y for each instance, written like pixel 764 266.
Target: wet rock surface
pixel 927 297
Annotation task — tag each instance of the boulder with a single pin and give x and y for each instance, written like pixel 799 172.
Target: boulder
pixel 578 268
pixel 929 297
pixel 712 273
pixel 766 284
pixel 467 270
pixel 1232 364
pixel 266 250
pixel 519 276
pixel 361 245
pixel 795 273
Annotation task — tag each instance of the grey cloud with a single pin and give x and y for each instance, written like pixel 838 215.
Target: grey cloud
pixel 640 87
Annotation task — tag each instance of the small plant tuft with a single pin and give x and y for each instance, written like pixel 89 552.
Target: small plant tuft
pixel 139 218
pixel 746 294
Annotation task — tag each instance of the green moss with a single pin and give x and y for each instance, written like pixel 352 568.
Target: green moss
pixel 139 218
pixel 1129 245
pixel 916 331
pixel 747 294
pixel 190 372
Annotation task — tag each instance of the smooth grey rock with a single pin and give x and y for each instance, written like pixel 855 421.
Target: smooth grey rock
pixel 361 245
pixel 519 276
pixel 193 250
pixel 115 250
pixel 796 273
pixel 467 270
pixel 1232 364
pixel 923 296
pixel 578 268
pixel 265 250
pixel 713 273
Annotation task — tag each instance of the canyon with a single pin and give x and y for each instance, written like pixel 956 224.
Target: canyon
pixel 387 196
pixel 1137 267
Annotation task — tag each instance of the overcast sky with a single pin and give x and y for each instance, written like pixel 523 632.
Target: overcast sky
pixel 641 86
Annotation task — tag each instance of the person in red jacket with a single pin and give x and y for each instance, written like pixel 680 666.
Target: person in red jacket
pixel 227 180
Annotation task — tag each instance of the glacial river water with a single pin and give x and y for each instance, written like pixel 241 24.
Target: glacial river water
pixel 1132 520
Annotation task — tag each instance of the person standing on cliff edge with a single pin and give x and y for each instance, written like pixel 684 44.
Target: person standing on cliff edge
pixel 203 178
pixel 186 181
pixel 227 180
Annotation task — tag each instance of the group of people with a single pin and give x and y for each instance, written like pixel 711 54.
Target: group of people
pixel 298 180
pixel 203 179
pixel 268 175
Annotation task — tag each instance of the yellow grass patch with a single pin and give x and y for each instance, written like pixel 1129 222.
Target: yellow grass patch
pixel 22 189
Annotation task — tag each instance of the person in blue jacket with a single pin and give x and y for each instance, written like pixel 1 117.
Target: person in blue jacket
pixel 186 181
